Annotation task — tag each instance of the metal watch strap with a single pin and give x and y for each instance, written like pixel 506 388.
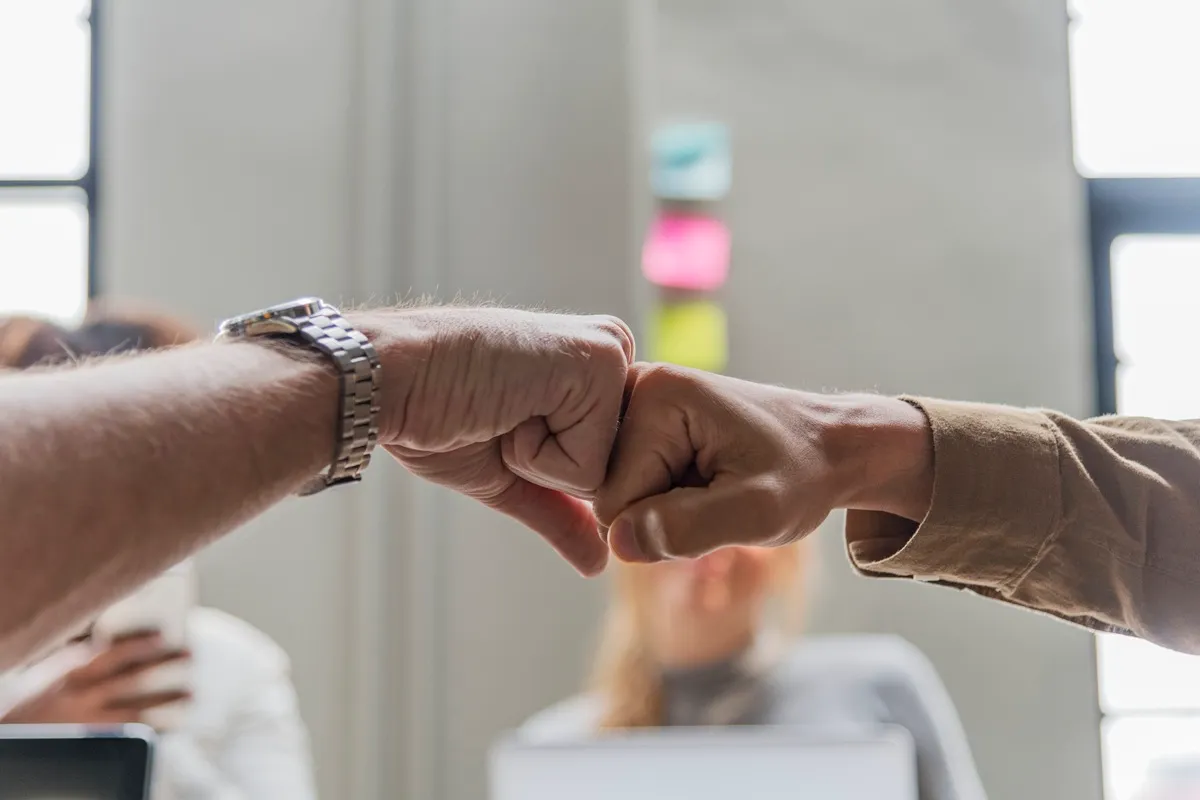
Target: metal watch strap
pixel 358 406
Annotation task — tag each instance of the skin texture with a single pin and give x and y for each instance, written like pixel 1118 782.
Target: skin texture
pixel 703 461
pixel 114 470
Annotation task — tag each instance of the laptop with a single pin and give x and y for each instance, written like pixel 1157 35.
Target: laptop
pixel 75 762
pixel 763 763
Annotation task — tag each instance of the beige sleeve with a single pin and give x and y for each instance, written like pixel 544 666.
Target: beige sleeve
pixel 1096 522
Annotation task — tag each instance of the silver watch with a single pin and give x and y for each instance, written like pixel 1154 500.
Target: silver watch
pixel 315 324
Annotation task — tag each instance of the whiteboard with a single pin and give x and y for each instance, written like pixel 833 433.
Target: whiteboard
pixel 709 764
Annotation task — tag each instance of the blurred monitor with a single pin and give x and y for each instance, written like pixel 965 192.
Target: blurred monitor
pixel 73 762
pixel 710 764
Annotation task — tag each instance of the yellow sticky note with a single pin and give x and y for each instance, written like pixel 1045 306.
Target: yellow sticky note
pixel 692 334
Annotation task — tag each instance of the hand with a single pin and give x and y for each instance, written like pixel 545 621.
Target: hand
pixel 515 409
pixel 703 461
pixel 105 690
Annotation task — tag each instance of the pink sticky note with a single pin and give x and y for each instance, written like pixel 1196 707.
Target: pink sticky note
pixel 684 251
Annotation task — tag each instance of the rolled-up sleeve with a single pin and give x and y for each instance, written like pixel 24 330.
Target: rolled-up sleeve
pixel 1096 522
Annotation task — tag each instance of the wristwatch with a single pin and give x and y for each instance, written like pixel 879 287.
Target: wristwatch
pixel 314 324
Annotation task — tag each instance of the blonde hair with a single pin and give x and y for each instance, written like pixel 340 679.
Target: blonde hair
pixel 626 676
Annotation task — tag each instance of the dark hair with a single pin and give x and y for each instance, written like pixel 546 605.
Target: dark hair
pixel 27 342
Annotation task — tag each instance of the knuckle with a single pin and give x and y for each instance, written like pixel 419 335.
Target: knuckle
pixel 605 505
pixel 619 334
pixel 589 478
pixel 664 378
pixel 611 361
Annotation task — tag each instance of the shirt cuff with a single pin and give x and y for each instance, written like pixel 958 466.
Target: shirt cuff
pixel 996 496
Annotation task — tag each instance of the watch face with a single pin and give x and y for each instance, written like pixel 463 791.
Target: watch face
pixel 294 309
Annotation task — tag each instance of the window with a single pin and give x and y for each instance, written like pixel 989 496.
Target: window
pixel 1137 142
pixel 48 139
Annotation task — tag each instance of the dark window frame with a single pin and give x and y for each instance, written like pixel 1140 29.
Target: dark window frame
pixel 1118 207
pixel 88 182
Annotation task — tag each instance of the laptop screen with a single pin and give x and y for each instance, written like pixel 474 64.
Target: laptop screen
pixel 763 763
pixel 84 768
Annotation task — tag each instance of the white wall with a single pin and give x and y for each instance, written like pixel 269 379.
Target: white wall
pixel 356 149
pixel 235 136
pixel 535 149
pixel 905 219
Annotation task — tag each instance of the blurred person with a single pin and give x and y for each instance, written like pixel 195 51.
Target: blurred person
pixel 711 641
pixel 235 732
pixel 114 469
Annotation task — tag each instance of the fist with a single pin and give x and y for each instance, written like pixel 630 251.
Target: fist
pixel 704 460
pixel 516 409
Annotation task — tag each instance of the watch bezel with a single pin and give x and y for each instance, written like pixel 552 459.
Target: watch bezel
pixel 277 319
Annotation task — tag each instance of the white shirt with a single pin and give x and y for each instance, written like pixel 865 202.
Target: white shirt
pixel 242 736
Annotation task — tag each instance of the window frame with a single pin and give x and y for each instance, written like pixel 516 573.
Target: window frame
pixel 1119 207
pixel 88 182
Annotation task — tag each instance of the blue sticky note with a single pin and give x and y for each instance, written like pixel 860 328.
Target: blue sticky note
pixel 691 161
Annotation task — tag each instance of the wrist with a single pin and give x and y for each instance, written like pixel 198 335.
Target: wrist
pixel 404 346
pixel 881 454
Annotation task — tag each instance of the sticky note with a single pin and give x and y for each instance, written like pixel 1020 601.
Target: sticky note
pixel 684 251
pixel 691 334
pixel 691 161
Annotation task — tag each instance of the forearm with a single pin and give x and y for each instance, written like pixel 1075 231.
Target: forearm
pixel 1092 521
pixel 113 471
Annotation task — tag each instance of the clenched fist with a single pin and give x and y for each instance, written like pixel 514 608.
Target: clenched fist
pixel 704 461
pixel 516 409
